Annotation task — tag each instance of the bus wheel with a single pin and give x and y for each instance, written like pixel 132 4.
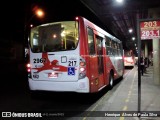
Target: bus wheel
pixel 110 81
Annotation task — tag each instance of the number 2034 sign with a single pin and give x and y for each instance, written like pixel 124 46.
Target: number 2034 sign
pixel 150 30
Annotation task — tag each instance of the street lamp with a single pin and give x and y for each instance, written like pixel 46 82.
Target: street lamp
pixel 38 13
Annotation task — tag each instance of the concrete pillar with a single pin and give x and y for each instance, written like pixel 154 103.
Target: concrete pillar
pixel 155 13
pixel 146 51
pixel 156 63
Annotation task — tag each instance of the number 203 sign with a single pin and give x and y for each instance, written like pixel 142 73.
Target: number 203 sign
pixel 150 30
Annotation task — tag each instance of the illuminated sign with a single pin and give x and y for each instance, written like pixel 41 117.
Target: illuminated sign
pixel 150 30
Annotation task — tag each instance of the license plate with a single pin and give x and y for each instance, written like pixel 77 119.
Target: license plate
pixel 52 75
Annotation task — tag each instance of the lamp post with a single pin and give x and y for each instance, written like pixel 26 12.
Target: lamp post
pixel 38 13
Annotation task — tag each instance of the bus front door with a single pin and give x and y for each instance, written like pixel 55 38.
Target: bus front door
pixel 99 47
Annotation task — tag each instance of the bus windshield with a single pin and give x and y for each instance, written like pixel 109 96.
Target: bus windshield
pixel 59 36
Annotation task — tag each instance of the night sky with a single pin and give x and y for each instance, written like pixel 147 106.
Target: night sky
pixel 15 14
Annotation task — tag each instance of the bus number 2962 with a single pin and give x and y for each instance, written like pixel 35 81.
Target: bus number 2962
pixel 39 60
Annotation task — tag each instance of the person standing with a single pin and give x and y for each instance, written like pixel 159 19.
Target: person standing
pixel 142 65
pixel 145 64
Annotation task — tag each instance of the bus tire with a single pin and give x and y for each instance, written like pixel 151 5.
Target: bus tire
pixel 110 81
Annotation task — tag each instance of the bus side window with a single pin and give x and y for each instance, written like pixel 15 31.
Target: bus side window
pixel 118 49
pixel 91 41
pixel 108 46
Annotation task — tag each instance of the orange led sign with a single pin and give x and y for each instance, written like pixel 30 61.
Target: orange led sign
pixel 150 30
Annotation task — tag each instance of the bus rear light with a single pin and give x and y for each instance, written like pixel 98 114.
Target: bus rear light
pixel 82 64
pixel 28 65
pixel 76 18
pixel 29 70
pixel 128 59
pixel 82 68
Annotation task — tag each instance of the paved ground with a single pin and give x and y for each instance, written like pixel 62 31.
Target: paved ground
pixel 123 97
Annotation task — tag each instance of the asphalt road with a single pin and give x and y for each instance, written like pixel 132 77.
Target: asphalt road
pixel 16 97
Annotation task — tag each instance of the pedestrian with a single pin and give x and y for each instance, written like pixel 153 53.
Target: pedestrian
pixel 145 64
pixel 142 65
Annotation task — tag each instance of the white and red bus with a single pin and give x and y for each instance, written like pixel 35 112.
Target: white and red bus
pixel 73 56
pixel 129 60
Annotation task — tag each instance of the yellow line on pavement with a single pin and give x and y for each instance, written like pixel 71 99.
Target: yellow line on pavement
pixel 125 108
pixel 128 97
pixel 121 118
pixel 94 108
pixel 84 118
pixel 129 93
pixel 127 100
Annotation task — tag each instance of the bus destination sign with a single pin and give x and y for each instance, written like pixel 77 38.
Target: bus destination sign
pixel 150 30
